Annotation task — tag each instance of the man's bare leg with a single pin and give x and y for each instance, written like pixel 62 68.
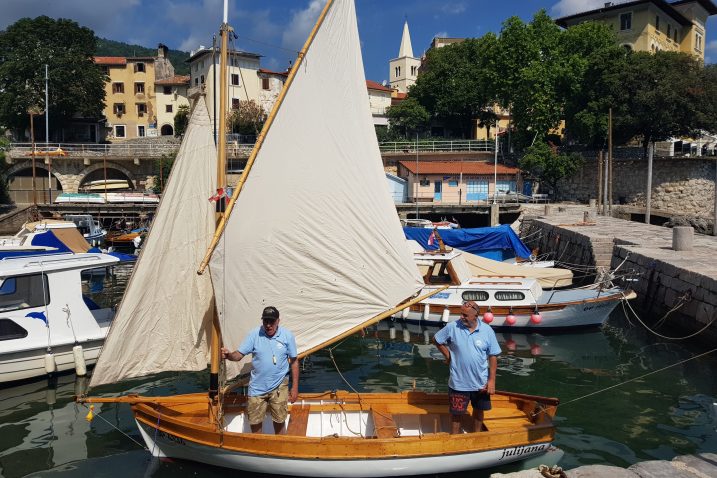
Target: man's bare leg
pixel 456 421
pixel 278 428
pixel 256 428
pixel 477 420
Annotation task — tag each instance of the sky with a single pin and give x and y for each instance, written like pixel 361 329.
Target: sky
pixel 277 29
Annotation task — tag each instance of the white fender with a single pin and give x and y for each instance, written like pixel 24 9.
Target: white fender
pixel 404 313
pixel 426 311
pixel 406 335
pixel 50 365
pixel 445 315
pixel 80 366
pixel 392 332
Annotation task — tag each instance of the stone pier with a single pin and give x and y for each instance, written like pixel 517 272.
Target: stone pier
pixel 683 283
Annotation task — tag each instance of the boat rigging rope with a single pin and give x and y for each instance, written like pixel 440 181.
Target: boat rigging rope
pixel 43 277
pixel 628 381
pixel 97 415
pixel 66 309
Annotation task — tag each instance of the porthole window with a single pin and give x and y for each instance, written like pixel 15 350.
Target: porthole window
pixel 475 295
pixel 10 330
pixel 509 295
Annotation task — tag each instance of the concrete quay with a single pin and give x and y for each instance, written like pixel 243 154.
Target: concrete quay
pixel 679 284
pixel 702 465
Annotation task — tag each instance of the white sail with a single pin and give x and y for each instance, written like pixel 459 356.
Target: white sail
pixel 164 319
pixel 314 231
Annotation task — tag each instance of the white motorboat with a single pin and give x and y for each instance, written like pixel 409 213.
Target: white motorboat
pixel 90 228
pixel 45 311
pixel 506 301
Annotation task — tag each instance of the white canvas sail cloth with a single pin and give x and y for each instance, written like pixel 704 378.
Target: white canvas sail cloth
pixel 314 232
pixel 165 316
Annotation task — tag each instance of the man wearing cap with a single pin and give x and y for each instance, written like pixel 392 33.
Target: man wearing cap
pixel 471 350
pixel 273 354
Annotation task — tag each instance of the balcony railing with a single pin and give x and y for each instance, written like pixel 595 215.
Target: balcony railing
pixel 437 146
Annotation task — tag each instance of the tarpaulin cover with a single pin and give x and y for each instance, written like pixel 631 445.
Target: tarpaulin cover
pixel 479 240
pixel 49 239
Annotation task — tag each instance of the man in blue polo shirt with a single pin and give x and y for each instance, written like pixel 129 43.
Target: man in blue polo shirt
pixel 471 350
pixel 273 353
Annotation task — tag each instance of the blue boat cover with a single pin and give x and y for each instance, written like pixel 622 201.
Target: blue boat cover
pixel 497 243
pixel 119 255
pixel 49 239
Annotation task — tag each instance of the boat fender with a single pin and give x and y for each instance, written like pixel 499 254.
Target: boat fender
pixel 488 316
pixel 426 311
pixel 392 332
pixel 51 396
pixel 510 319
pixel 406 336
pixel 535 317
pixel 535 350
pixel 80 366
pixel 404 313
pixel 426 337
pixel 446 315
pixel 511 345
pixel 50 365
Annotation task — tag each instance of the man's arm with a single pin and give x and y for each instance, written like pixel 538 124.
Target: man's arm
pixel 294 392
pixel 233 356
pixel 444 350
pixel 492 369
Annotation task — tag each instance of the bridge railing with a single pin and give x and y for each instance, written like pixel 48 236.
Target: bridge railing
pixel 437 146
pixel 131 150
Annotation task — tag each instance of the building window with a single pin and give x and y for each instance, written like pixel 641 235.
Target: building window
pixel 141 109
pixel 475 295
pixel 117 87
pixel 698 41
pixel 657 22
pixel 139 68
pixel 669 30
pixel 139 88
pixel 119 131
pixel 140 131
pixel 24 292
pixel 196 82
pixel 118 109
pixel 398 71
pixel 265 84
pixel 453 183
pixel 105 70
pixel 9 330
pixel 477 189
pixel 675 35
pixel 167 90
pixel 235 79
pixel 201 79
pixel 509 295
pixel 168 108
pixel 235 103
pixel 626 21
pixel 505 186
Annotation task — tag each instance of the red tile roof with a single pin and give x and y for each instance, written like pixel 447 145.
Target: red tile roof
pixel 269 72
pixel 110 60
pixel 456 167
pixel 372 85
pixel 175 80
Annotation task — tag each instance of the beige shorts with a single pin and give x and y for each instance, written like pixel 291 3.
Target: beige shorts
pixel 277 401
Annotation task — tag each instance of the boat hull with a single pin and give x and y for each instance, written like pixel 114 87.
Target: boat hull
pixel 343 434
pixel 165 445
pixel 28 364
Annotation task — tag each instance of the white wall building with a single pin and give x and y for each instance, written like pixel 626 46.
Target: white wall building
pixel 171 93
pixel 379 98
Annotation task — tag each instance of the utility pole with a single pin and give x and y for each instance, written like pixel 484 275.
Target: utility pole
pixel 416 179
pixel 32 142
pixel 495 165
pixel 599 182
pixel 47 138
pixel 648 193
pixel 609 159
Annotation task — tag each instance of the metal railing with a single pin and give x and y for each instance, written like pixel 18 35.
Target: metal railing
pixel 148 149
pixel 437 146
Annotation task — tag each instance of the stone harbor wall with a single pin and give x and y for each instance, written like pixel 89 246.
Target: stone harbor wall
pixel 680 185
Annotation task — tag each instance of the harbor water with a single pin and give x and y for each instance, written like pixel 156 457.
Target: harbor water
pixel 613 410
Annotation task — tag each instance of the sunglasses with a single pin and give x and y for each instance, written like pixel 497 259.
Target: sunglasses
pixel 269 321
pixel 471 305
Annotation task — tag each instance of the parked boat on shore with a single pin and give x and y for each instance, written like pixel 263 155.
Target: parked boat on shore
pixel 49 322
pixel 507 302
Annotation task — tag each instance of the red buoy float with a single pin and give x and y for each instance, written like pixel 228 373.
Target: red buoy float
pixel 488 316
pixel 510 319
pixel 535 317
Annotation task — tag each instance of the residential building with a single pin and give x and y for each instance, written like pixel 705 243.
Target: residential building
pixel 171 93
pixel 457 182
pixel 653 25
pixel 379 99
pixel 130 101
pixel 403 70
pixel 243 79
pixel 271 84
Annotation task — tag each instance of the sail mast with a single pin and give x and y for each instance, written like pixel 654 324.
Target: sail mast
pixel 215 344
pixel 260 139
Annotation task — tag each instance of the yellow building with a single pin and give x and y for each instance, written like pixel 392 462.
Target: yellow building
pixel 130 100
pixel 653 25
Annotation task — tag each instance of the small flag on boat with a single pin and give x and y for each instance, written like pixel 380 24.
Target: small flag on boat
pixel 221 193
pixel 432 238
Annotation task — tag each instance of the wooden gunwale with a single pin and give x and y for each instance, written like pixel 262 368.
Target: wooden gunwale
pixel 182 422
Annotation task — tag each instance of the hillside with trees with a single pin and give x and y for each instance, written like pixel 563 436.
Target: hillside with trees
pixel 107 47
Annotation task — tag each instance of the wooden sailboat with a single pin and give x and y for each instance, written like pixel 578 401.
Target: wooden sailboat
pixel 317 160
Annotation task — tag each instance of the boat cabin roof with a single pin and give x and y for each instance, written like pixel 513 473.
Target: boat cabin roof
pixel 11 266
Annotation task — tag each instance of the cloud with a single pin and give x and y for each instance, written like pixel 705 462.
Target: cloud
pixel 569 7
pixel 453 8
pixel 298 29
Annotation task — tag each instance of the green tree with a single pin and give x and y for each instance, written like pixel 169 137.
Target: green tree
pixel 707 107
pixel 76 84
pixel 4 145
pixel 663 92
pixel 457 84
pixel 543 161
pixel 162 167
pixel 408 117
pixel 181 120
pixel 249 118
